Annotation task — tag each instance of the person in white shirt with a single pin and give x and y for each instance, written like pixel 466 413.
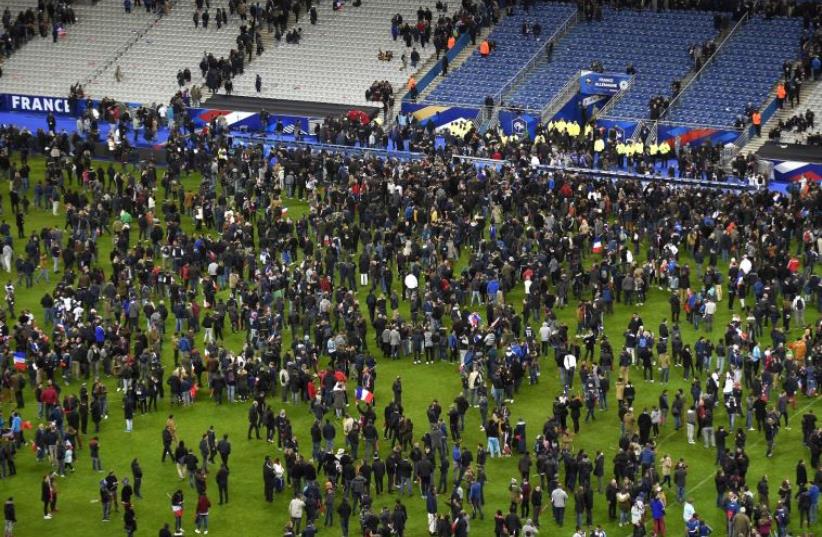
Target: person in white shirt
pixel 798 307
pixel 569 367
pixel 295 510
pixel 544 336
pixel 688 510
pixel 558 500
pixel 710 311
pixel 637 512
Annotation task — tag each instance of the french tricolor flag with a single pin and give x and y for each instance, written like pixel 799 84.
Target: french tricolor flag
pixel 364 395
pixel 20 361
pixel 597 247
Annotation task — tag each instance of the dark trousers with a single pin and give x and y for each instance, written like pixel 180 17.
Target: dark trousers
pixel 559 515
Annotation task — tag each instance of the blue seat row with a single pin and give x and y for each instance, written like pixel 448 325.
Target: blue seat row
pixel 655 43
pixel 479 77
pixel 744 72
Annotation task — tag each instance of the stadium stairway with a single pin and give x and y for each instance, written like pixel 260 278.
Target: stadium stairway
pixel 461 58
pixel 480 77
pixel 810 98
pixel 655 43
pixel 336 60
pixel 744 71
pixel 102 30
pixel 150 66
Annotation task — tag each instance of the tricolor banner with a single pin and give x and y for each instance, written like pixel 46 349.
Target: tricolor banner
pixel 364 395
pixel 20 361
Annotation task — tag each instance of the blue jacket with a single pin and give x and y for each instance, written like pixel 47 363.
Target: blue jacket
pixel 657 509
pixel 431 504
pixel 475 492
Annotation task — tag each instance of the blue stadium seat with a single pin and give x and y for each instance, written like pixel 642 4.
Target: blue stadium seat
pixel 744 72
pixel 655 43
pixel 479 77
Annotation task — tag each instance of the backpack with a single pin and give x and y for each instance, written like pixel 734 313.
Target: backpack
pixel 800 304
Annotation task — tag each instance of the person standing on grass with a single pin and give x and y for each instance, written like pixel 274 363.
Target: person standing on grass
pixel 224 449
pixel 658 514
pixel 94 453
pixel 10 516
pixel 129 520
pixel 48 495
pixel 344 510
pixel 177 511
pixel 105 500
pixel 558 500
pixel 128 411
pixel 222 483
pixel 137 475
pixel 203 505
pixel 295 511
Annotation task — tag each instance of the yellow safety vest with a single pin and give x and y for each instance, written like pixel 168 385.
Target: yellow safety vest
pixel 599 146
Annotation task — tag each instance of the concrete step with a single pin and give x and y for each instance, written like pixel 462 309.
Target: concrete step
pixel 811 97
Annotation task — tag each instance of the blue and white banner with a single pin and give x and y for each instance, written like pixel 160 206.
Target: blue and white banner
pixel 591 83
pixel 520 125
pixel 788 171
pixel 35 103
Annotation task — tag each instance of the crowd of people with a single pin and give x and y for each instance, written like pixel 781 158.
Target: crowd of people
pixel 380 91
pixel 423 261
pixel 319 315
pixel 46 19
pixel 798 123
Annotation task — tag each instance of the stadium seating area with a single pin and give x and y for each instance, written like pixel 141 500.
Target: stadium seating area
pixel 336 60
pixel 151 65
pixel 744 71
pixel 42 67
pixel 479 77
pixel 341 52
pixel 655 43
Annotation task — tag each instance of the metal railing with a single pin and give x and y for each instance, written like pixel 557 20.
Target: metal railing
pixel 695 125
pixel 612 102
pixel 708 62
pixel 620 175
pixel 654 134
pixel 277 141
pixel 590 172
pixel 559 99
pixel 538 56
pixel 637 130
pixel 119 52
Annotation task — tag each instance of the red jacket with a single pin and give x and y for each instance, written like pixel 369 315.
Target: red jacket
pixel 203 503
pixel 49 396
